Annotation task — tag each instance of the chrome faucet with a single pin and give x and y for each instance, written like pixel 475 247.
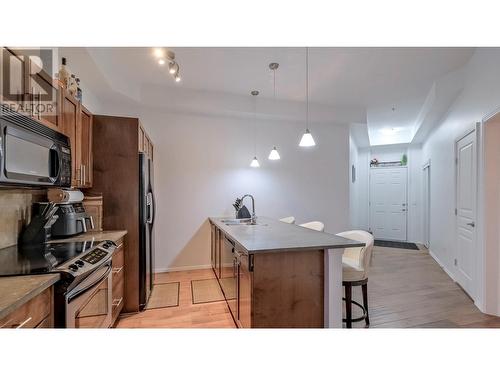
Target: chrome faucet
pixel 253 220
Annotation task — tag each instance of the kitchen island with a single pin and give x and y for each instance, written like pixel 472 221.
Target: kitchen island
pixel 278 275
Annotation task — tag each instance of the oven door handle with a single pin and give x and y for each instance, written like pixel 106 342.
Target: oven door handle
pixel 89 283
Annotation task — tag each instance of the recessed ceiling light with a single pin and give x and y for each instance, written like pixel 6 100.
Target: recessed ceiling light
pixel 161 62
pixel 389 131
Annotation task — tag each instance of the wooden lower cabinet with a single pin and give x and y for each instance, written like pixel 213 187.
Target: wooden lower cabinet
pixel 282 289
pixel 36 313
pixel 118 290
pixel 217 242
pixel 244 292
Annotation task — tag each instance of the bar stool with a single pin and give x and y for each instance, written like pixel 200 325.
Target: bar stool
pixel 355 266
pixel 315 225
pixel 288 220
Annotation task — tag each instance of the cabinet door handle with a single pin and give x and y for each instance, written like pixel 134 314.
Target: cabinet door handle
pixel 83 174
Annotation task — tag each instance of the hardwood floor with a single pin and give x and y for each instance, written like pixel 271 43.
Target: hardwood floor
pixel 406 288
pixel 186 315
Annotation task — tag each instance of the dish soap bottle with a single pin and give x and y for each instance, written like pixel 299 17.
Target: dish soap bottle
pixel 64 73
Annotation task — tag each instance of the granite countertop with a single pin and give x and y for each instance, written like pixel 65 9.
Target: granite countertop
pixel 112 235
pixel 270 235
pixel 17 290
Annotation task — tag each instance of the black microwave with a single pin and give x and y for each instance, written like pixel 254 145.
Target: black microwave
pixel 32 154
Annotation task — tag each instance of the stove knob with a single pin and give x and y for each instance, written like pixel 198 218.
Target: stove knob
pixel 73 267
pixel 79 263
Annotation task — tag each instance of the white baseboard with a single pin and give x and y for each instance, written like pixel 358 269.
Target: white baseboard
pixel 182 268
pixel 441 264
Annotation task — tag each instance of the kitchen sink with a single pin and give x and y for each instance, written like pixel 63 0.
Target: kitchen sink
pixel 239 222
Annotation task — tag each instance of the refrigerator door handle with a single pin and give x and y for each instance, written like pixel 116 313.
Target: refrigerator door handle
pixel 149 204
pixel 153 208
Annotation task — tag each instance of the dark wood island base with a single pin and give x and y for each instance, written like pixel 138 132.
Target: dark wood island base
pixel 270 287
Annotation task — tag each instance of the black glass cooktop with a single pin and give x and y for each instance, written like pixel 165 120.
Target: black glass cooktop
pixel 43 258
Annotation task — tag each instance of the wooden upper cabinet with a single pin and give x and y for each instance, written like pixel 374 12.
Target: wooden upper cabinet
pixel 144 143
pixel 70 113
pixel 42 92
pixel 141 139
pixel 77 125
pixel 150 153
pixel 15 71
pixel 84 141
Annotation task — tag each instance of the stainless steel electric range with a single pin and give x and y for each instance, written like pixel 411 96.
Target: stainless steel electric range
pixel 83 295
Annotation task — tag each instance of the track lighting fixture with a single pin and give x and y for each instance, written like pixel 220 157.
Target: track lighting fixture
pixel 163 55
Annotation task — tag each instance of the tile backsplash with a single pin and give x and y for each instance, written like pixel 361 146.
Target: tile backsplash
pixel 15 212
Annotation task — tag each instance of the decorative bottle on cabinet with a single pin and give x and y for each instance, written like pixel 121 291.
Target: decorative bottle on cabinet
pixel 72 88
pixel 64 73
pixel 78 90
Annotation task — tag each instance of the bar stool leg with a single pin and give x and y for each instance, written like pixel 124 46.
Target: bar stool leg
pixel 348 305
pixel 364 289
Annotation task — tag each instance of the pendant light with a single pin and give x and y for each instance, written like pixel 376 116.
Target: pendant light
pixel 255 162
pixel 307 139
pixel 274 154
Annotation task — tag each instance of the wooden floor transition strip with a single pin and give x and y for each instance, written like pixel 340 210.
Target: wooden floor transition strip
pixel 164 295
pixel 205 291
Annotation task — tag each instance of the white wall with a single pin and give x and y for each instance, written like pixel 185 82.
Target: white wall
pixel 202 165
pixel 353 185
pixel 480 96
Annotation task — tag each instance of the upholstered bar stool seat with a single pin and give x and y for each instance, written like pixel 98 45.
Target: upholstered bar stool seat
pixel 288 220
pixel 355 266
pixel 315 225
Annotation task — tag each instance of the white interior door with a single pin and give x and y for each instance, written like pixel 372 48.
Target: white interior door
pixel 426 204
pixel 388 203
pixel 466 211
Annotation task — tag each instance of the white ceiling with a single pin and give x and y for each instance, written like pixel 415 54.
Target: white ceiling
pixel 373 79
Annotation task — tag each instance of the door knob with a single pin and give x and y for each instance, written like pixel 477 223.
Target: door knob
pixel 472 224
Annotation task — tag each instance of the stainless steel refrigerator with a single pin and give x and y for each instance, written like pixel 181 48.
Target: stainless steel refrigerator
pixel 146 234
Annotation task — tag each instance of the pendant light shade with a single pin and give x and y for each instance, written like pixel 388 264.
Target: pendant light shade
pixel 274 154
pixel 307 140
pixel 255 163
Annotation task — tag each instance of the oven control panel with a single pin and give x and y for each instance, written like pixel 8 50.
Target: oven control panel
pixel 94 256
pixel 91 258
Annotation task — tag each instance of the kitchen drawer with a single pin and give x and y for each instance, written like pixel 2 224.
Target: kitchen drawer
pixel 31 314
